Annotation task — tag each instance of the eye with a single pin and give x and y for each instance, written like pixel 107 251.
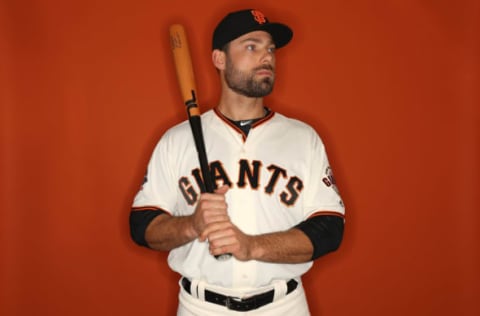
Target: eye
pixel 271 49
pixel 251 47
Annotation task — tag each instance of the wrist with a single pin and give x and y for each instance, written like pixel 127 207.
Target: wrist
pixel 255 250
pixel 190 230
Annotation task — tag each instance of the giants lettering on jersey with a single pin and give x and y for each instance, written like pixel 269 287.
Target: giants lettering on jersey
pixel 249 175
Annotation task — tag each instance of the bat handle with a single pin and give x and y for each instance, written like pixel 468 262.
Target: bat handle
pixel 208 183
pixel 196 126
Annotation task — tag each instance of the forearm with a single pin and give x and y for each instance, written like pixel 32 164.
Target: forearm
pixel 167 232
pixel 306 241
pixel 291 246
pixel 157 229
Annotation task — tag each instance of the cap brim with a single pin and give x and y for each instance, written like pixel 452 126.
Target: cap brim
pixel 281 33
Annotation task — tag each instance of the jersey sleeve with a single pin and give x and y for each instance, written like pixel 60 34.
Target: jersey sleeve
pixel 158 189
pixel 322 195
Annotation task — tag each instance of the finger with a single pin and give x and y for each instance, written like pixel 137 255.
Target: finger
pixel 214 218
pixel 222 190
pixel 216 230
pixel 212 205
pixel 212 197
pixel 223 245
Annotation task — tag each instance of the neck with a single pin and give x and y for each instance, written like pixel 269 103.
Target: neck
pixel 238 107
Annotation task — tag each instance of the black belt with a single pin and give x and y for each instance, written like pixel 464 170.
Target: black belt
pixel 238 304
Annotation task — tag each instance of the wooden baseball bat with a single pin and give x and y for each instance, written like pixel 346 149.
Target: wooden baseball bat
pixel 186 81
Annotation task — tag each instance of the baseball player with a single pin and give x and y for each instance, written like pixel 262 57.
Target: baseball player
pixel 276 207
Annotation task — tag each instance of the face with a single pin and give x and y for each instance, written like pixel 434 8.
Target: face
pixel 250 64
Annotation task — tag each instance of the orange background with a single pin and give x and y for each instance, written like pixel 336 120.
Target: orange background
pixel 87 88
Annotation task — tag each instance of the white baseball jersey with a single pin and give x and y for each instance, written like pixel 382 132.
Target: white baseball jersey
pixel 279 176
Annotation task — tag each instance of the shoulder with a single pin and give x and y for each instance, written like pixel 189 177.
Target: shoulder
pixel 182 130
pixel 296 132
pixel 292 125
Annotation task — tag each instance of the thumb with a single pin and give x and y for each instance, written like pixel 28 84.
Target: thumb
pixel 222 190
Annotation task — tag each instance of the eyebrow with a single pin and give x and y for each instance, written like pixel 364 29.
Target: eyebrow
pixel 256 40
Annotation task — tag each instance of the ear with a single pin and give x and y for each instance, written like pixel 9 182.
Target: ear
pixel 218 59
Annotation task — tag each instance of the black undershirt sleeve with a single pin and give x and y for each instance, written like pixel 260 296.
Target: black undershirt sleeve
pixel 325 232
pixel 139 220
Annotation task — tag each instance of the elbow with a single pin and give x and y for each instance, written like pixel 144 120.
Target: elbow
pixel 336 241
pixel 328 245
pixel 325 233
pixel 337 235
pixel 139 221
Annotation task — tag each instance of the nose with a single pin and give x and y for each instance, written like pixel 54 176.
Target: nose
pixel 268 56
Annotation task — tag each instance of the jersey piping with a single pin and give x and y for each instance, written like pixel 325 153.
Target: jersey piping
pixel 236 128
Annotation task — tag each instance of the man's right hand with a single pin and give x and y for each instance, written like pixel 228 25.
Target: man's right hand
pixel 211 208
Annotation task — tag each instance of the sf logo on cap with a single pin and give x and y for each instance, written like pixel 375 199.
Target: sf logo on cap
pixel 259 17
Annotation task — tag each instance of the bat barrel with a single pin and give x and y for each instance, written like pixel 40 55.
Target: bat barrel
pixel 183 63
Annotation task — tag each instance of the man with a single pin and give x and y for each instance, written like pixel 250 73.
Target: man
pixel 276 207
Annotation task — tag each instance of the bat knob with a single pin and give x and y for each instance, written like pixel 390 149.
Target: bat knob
pixel 223 257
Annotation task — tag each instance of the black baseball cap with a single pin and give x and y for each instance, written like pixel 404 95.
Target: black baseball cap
pixel 238 23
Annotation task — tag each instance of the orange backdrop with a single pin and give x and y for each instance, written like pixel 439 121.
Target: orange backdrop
pixel 87 87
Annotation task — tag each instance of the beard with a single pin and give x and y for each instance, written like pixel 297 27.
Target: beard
pixel 244 83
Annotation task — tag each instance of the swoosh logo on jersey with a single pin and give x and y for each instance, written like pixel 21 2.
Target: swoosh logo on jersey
pixel 243 123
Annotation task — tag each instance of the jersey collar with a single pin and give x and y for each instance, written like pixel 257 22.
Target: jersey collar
pixel 244 130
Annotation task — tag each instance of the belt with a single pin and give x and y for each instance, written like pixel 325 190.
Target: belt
pixel 239 304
